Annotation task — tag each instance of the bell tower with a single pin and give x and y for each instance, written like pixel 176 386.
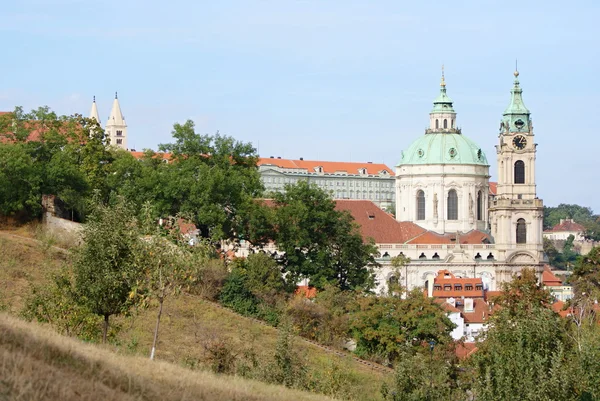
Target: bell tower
pixel 116 128
pixel 516 215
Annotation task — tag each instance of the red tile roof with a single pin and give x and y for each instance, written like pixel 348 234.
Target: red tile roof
pixel 306 291
pixel 472 237
pixel 328 167
pixel 445 278
pixel 377 224
pixel 465 350
pixel 493 188
pixel 158 155
pixel 567 225
pixel 549 279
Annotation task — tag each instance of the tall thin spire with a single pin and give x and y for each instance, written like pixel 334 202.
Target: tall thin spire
pixel 94 111
pixel 116 117
pixel 443 83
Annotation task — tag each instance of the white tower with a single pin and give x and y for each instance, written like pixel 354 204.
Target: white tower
pixel 94 111
pixel 516 215
pixel 116 129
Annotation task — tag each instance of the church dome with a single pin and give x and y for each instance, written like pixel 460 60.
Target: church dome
pixel 443 148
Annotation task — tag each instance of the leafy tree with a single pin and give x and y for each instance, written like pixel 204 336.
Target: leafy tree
pixel 422 374
pixel 553 215
pixel 320 242
pixel 213 178
pixel 56 304
pixel 525 350
pixel 586 275
pixel 384 326
pixel 105 266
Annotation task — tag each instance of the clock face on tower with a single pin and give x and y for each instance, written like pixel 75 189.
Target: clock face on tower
pixel 520 142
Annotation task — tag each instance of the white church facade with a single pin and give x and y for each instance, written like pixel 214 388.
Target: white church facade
pixel 446 221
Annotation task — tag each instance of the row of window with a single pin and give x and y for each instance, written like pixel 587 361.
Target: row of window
pixel 331 183
pixel 451 205
pixel 458 287
pixel 445 123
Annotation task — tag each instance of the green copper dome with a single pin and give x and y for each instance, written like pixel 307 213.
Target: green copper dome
pixel 443 148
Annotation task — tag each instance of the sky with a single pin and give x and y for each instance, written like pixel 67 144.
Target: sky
pixel 335 80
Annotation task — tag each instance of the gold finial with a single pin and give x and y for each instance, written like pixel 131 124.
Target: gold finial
pixel 443 83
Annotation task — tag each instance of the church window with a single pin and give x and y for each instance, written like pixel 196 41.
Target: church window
pixel 519 172
pixel 452 205
pixel 437 123
pixel 119 133
pixel 479 205
pixel 420 205
pixel 521 231
pixel 445 123
pixel 119 141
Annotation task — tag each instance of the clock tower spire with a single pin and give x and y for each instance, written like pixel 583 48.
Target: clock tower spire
pixel 516 214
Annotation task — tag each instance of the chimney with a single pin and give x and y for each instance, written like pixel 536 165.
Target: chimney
pixel 279 157
pixel 302 158
pixel 469 305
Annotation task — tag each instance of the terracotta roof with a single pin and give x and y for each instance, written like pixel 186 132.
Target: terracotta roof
pixel 549 279
pixel 493 188
pixel 328 167
pixel 567 225
pixel 377 224
pixel 186 227
pixel 306 291
pixel 481 309
pixel 445 278
pixel 139 155
pixel 480 314
pixel 465 350
pixel 35 127
pixel 472 237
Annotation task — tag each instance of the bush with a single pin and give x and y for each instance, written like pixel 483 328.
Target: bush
pixel 210 276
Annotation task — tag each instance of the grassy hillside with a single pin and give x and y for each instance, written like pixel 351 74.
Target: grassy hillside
pixel 190 328
pixel 38 364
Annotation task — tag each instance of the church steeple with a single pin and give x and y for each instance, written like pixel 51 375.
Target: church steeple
pixel 116 128
pixel 516 117
pixel 94 111
pixel 442 117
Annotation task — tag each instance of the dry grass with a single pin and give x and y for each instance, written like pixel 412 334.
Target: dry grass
pixel 38 364
pixel 24 261
pixel 188 323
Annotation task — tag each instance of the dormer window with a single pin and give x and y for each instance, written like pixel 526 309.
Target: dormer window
pixel 319 169
pixel 362 170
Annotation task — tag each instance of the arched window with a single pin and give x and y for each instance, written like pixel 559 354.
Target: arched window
pixel 437 123
pixel 452 205
pixel 519 172
pixel 479 205
pixel 445 123
pixel 521 231
pixel 420 205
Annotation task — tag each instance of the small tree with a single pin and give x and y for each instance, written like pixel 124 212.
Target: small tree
pixel 105 266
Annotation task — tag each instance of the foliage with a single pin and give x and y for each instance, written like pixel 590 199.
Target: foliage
pixel 384 326
pixel 422 374
pixel 586 275
pixel 212 178
pixel 581 214
pixel 523 294
pixel 320 242
pixel 526 347
pixel 238 293
pixel 41 153
pixel 287 369
pixel 105 266
pixel 56 304
pixel 523 357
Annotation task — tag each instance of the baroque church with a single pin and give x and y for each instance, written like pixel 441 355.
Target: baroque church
pixel 115 128
pixel 445 219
